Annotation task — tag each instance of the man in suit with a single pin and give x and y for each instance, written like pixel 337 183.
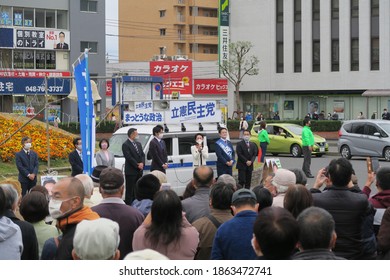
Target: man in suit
pixel 225 154
pixel 62 45
pixel 27 164
pixel 134 165
pixel 158 150
pixel 75 158
pixel 246 155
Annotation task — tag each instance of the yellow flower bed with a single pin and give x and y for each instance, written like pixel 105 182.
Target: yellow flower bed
pixel 60 143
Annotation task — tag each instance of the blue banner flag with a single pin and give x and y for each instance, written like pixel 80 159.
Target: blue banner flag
pixel 86 111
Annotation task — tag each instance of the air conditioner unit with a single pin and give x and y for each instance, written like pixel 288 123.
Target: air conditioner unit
pixel 180 57
pixel 159 57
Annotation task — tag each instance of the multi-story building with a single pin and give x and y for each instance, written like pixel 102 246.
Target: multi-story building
pixel 324 55
pixel 168 28
pixel 43 38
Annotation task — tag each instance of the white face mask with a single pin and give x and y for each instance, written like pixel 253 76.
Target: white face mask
pixel 246 138
pixel 136 137
pixel 79 147
pixel 54 208
pixel 199 141
pixel 160 135
pixel 104 146
pixel 27 146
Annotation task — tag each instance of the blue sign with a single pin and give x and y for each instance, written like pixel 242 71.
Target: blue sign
pixel 55 86
pixel 6 37
pixel 87 118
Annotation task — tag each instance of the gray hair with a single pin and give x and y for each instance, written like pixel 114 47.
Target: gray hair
pixel 87 184
pixel 11 195
pixel 227 179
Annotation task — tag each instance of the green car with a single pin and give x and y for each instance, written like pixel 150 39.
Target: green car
pixel 285 138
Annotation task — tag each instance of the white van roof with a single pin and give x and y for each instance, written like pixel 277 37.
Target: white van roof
pixel 175 128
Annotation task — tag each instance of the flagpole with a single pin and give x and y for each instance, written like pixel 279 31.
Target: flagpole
pixel 87 103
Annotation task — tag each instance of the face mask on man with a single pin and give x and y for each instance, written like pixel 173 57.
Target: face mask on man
pixel 79 147
pixel 160 135
pixel 55 208
pixel 246 138
pixel 27 146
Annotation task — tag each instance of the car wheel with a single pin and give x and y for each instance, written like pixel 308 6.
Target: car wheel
pixel 345 152
pixel 296 150
pixel 274 154
pixel 386 154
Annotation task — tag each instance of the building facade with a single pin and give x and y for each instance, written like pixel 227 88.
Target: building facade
pixel 43 38
pixel 157 30
pixel 328 55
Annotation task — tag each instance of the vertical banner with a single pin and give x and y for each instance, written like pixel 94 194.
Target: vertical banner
pixel 86 111
pixel 223 32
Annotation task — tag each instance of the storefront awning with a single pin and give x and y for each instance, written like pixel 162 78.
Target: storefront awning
pixel 376 92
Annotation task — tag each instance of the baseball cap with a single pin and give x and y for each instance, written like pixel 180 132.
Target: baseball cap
pixel 96 172
pixel 243 193
pixel 96 239
pixel 111 178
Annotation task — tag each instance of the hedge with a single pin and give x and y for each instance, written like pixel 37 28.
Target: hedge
pixel 104 127
pixel 325 125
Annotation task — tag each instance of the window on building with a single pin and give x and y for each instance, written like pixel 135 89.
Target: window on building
pixel 162 13
pixel 93 46
pixel 316 9
pixel 18 59
pixel 163 31
pixel 28 57
pixel 40 60
pixel 279 58
pixel 18 17
pixel 375 8
pixel 50 60
pixel 335 9
pixel 298 56
pixel 335 55
pixel 5 58
pixel 50 19
pixel 28 19
pixel 6 15
pixel 355 54
pixel 62 19
pixel 39 18
pixel 297 10
pixel 374 53
pixel 88 6
pixel 354 8
pixel 279 11
pixel 316 56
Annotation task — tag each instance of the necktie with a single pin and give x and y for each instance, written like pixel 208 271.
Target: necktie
pixel 135 146
pixel 61 46
pixel 28 153
pixel 161 144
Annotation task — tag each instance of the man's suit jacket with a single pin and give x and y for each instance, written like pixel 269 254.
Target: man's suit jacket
pixel 26 165
pixel 65 46
pixel 222 157
pixel 158 153
pixel 76 163
pixel 133 157
pixel 243 155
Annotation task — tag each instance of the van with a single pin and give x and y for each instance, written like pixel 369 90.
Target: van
pixel 178 142
pixel 366 138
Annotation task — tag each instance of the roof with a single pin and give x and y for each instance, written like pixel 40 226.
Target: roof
pixel 190 127
pixel 376 92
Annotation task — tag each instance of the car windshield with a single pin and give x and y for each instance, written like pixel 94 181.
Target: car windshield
pixel 386 127
pixel 117 140
pixel 295 129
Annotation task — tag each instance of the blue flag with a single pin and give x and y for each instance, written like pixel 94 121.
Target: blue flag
pixel 86 111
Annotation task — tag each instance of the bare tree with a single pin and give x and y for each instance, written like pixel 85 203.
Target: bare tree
pixel 239 65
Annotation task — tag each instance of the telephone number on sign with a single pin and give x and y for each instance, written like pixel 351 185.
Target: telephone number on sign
pixel 42 89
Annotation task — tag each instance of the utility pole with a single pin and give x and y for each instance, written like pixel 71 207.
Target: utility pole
pixel 47 124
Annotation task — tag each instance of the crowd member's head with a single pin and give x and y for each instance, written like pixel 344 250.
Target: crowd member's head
pixel 167 219
pixel 161 176
pixel 96 240
pixel 41 189
pixel 300 176
pixel 189 190
pixel 283 179
pixel 263 196
pixel 15 184
pixel 244 199
pixel 227 179
pixel 297 199
pixel 87 184
pixel 2 202
pixel 383 178
pixel 275 233
pixel 146 254
pixel 203 176
pixel 146 187
pixel 316 229
pixel 77 143
pixel 34 207
pixel 221 196
pixel 68 197
pixel 95 176
pixel 111 182
pixel 340 172
pixel 11 197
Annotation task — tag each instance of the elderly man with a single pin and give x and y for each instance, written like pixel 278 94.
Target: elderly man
pixel 88 188
pixel 197 206
pixel 67 206
pixel 114 208
pixel 283 179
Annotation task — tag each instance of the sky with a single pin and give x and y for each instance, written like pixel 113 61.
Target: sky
pixel 112 28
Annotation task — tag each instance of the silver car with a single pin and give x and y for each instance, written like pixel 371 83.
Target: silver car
pixel 365 138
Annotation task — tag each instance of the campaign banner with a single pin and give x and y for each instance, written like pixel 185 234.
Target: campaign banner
pixel 210 86
pixel 55 86
pixel 143 117
pixel 108 88
pixel 192 111
pixel 32 74
pixel 177 75
pixel 143 107
pixel 86 111
pixel 42 39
